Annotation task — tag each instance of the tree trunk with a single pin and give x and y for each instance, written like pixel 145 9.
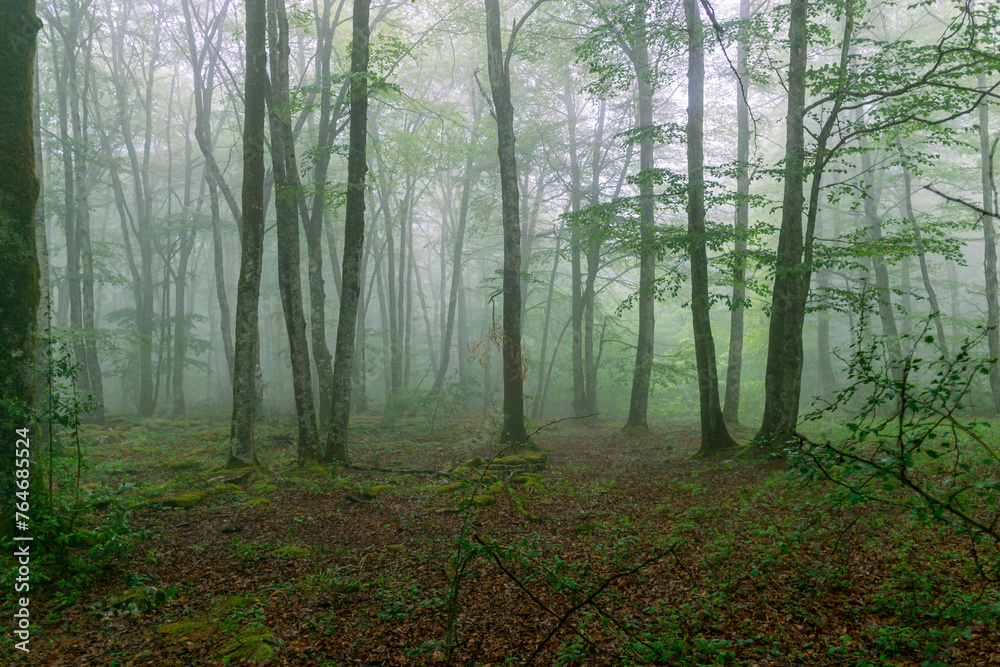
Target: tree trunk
pixel 593 266
pixel 180 323
pixel 576 273
pixel 783 374
pixel 989 238
pixel 925 275
pixel 715 436
pixel 734 367
pixel 513 430
pixel 246 358
pixel 639 400
pixel 286 194
pixel 354 236
pixel 19 283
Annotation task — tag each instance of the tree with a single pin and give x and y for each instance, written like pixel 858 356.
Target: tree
pixel 714 434
pixel 241 443
pixel 19 280
pixel 287 192
pixel 354 236
pixel 498 63
pixel 734 367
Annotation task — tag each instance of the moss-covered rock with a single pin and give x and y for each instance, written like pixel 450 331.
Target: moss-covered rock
pixel 484 500
pixel 258 501
pixel 448 488
pixel 474 462
pixel 255 646
pixel 534 486
pixel 133 601
pixel 184 500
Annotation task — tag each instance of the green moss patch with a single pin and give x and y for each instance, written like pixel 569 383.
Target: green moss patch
pixel 292 552
pixel 184 629
pixel 448 488
pixel 235 602
pixel 255 646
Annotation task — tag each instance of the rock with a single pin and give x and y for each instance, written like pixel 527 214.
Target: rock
pixel 133 601
pixel 255 646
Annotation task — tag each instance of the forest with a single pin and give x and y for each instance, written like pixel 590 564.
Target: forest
pixel 534 332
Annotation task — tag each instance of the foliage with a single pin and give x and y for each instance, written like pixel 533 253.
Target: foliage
pixel 911 443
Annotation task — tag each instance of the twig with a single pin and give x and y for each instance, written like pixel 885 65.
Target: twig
pixel 600 589
pixel 531 595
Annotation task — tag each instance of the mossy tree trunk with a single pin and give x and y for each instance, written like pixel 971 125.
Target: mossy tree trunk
pixel 18 260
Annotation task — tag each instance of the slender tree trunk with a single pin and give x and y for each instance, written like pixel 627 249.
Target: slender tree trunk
pixel 715 436
pixel 180 323
pixel 537 407
pixel 456 263
pixel 925 275
pixel 513 430
pixel 18 261
pixel 639 400
pixel 354 236
pixel 247 358
pixel 989 238
pixel 734 367
pixel 576 273
pixel 593 266
pixel 286 194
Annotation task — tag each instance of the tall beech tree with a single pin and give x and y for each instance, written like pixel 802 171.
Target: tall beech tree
pixel 498 63
pixel 287 193
pixel 354 236
pixel 241 441
pixel 714 434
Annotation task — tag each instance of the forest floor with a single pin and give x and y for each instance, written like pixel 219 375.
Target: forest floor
pixel 634 552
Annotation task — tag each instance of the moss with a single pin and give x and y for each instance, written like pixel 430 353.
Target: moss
pixel 534 485
pixel 185 628
pixel 474 462
pixel 224 488
pixel 292 552
pixel 378 489
pixel 263 487
pixel 182 463
pixel 484 500
pixel 254 645
pixel 258 501
pixel 448 488
pixel 185 500
pixel 408 479
pixel 309 472
pixel 235 602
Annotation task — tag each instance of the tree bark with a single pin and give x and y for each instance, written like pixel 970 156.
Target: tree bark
pixel 642 371
pixel 354 236
pixel 513 430
pixel 18 261
pixel 783 374
pixel 287 191
pixel 246 358
pixel 989 238
pixel 734 367
pixel 715 436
